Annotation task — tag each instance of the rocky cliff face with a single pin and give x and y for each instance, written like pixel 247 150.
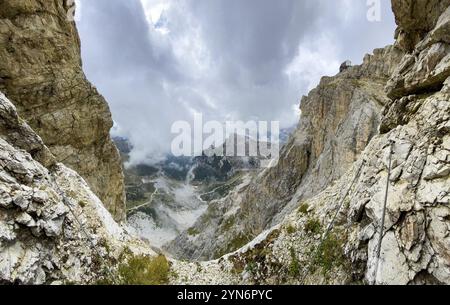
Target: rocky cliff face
pixel 40 71
pixel 415 19
pixel 334 170
pixel 53 226
pixel 426 66
pixel 53 229
pixel 415 246
pixel 338 120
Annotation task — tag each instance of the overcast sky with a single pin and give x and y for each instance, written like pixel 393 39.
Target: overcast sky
pixel 158 61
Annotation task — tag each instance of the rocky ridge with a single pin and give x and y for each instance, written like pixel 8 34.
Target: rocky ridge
pixel 345 135
pixel 415 245
pixel 53 228
pixel 41 72
pixel 338 120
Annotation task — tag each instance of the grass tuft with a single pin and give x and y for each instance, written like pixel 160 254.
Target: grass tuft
pixel 313 226
pixel 303 209
pixel 143 270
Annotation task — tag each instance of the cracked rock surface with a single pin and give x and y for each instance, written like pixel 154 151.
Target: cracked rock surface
pixel 415 246
pixel 41 73
pixel 41 241
pixel 339 118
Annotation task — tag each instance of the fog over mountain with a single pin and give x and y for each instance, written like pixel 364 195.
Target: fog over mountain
pixel 358 194
pixel 158 61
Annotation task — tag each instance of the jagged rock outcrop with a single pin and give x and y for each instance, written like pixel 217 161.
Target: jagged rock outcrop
pixel 15 130
pixel 53 229
pixel 336 163
pixel 338 120
pixel 415 246
pixel 40 71
pixel 427 66
pixel 415 19
pixel 345 65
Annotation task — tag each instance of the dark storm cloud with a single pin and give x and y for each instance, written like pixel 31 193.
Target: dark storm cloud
pixel 158 61
pixel 254 37
pixel 115 38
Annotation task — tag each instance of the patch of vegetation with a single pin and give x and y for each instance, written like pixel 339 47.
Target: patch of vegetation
pixel 294 266
pixel 303 209
pixel 174 275
pixel 313 226
pixel 82 204
pixel 238 262
pixel 330 253
pixel 104 243
pixel 214 168
pixel 199 267
pixel 273 236
pixel 347 203
pixel 149 187
pixel 144 170
pixel 228 224
pixel 290 229
pixel 355 82
pixel 236 243
pixel 135 195
pixel 192 231
pixel 143 270
pixel 256 263
pixel 251 268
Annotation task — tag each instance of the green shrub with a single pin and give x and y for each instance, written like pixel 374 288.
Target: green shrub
pixel 251 268
pixel 290 229
pixel 82 204
pixel 313 226
pixel 143 270
pixel 330 254
pixel 303 209
pixel 193 231
pixel 294 266
pixel 238 242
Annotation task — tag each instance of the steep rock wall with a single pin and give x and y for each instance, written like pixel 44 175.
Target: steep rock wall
pixel 53 229
pixel 415 246
pixel 415 19
pixel 338 120
pixel 40 71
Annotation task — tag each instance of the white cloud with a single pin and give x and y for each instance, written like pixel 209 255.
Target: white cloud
pixel 314 59
pixel 159 61
pixel 154 9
